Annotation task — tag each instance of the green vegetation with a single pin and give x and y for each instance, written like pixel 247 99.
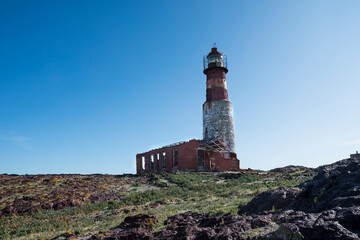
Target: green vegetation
pixel 173 193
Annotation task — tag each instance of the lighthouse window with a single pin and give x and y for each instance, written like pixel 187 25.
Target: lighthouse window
pixel 175 158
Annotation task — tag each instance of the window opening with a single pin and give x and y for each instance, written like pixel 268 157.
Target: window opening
pixel 158 162
pixel 163 160
pixel 175 158
pixel 143 163
pixel 152 162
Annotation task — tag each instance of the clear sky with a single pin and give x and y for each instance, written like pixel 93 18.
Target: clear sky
pixel 86 85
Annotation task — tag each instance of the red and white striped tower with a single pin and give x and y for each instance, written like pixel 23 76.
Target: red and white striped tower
pixel 217 110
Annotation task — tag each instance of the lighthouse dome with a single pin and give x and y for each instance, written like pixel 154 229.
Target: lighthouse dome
pixel 214 51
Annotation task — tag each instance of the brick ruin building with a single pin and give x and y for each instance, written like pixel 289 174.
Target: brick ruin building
pixel 216 152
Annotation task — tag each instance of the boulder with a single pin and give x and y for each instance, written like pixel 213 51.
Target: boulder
pixel 276 199
pixel 139 221
pixel 288 169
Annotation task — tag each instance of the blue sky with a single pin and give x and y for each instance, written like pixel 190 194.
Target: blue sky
pixel 86 85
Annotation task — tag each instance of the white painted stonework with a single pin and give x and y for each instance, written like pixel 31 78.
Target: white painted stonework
pixel 218 122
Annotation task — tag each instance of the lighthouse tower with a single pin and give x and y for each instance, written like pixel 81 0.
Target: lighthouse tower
pixel 217 110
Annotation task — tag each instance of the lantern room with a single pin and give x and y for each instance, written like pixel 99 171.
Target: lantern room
pixel 214 60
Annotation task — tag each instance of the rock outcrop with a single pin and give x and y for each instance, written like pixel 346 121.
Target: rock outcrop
pixel 140 221
pixel 277 199
pixel 26 194
pixel 290 168
pixel 327 207
pixel 335 185
pixel 190 225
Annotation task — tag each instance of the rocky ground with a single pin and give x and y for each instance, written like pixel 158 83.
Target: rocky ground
pixel 187 206
pixel 34 193
pixel 326 207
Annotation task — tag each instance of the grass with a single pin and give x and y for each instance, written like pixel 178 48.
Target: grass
pixel 176 192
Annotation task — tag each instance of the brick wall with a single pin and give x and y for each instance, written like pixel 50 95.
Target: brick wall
pixel 186 154
pixel 187 159
pixel 220 161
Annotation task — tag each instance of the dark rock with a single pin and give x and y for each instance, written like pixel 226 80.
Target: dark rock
pixel 335 185
pixel 209 222
pixel 62 203
pixel 192 225
pixel 47 206
pixel 288 169
pixel 8 210
pixel 139 221
pixel 187 218
pixel 276 199
pixel 286 231
pixel 330 230
pixel 349 218
pixel 154 205
pixel 130 234
pixel 326 207
pixel 315 225
pixel 260 221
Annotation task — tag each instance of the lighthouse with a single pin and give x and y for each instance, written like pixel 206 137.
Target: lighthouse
pixel 217 109
pixel 216 151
